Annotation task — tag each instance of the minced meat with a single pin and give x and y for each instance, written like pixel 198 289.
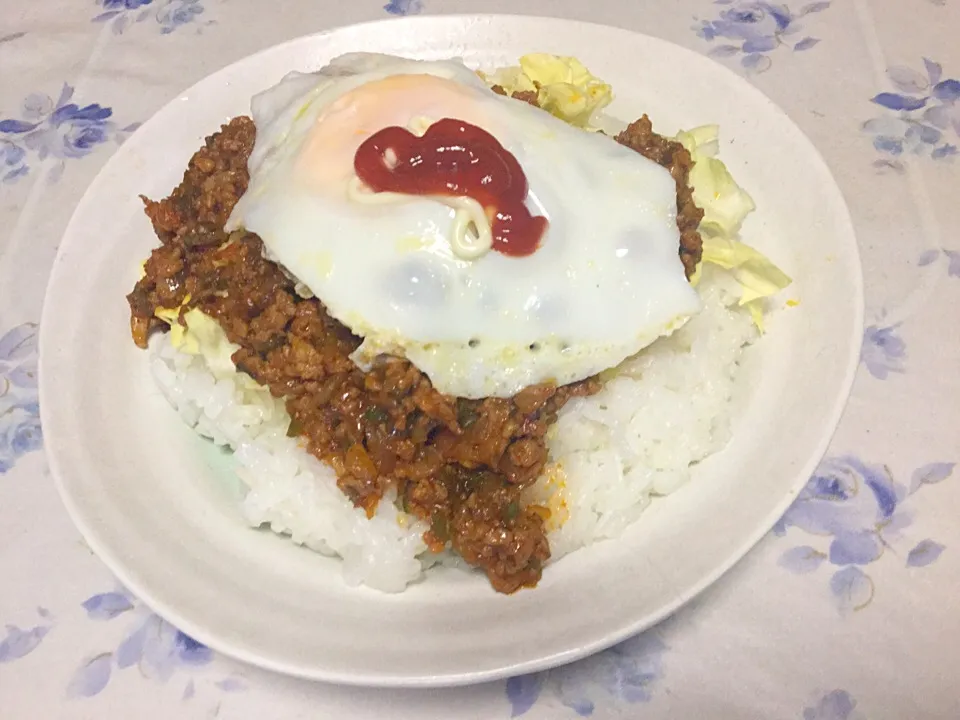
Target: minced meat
pixel 639 136
pixel 459 464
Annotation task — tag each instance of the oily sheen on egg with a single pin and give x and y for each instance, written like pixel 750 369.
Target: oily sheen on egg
pixel 605 282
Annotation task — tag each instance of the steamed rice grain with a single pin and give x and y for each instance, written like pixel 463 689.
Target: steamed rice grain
pixel 658 414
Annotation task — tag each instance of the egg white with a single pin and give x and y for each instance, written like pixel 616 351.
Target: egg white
pixel 606 281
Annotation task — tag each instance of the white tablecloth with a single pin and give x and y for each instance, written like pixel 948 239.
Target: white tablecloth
pixel 847 610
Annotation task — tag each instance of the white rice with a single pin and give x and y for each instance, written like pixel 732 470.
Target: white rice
pixel 288 489
pixel 664 410
pixel 660 412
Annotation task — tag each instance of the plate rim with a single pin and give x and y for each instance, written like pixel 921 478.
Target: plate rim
pixel 625 630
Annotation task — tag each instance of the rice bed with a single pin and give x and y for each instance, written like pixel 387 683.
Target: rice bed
pixel 659 412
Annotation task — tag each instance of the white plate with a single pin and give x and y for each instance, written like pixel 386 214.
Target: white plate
pixel 150 498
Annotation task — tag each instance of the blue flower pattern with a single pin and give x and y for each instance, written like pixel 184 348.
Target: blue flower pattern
pixel 60 130
pixel 626 673
pixel 404 7
pixel 883 350
pixel 952 258
pixel 154 646
pixel 755 30
pixel 923 116
pixel 835 705
pixel 19 404
pixel 17 642
pixel 167 14
pixel 860 508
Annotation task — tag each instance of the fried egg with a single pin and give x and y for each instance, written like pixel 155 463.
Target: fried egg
pixel 605 282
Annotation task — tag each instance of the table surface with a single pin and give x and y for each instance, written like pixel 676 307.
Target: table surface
pixel 846 610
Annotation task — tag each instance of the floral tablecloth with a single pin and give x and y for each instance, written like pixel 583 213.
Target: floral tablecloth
pixel 846 610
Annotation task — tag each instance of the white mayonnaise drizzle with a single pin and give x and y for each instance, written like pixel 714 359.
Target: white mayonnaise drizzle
pixel 470 237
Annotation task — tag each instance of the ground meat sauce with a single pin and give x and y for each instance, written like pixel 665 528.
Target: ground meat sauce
pixel 674 157
pixel 461 465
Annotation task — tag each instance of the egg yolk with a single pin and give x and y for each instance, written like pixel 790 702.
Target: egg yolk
pixel 404 106
pixel 325 161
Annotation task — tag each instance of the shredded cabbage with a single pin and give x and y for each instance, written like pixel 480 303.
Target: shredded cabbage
pixel 564 87
pixel 171 316
pixel 725 205
pixel 199 334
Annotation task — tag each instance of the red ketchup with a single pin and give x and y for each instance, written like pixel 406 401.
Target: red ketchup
pixel 455 158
